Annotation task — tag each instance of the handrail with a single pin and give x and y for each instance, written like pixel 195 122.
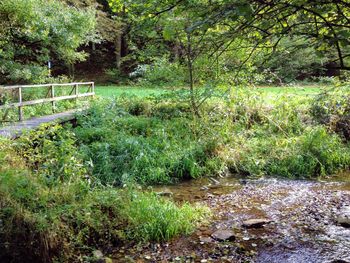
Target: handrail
pixel 20 104
pixel 45 85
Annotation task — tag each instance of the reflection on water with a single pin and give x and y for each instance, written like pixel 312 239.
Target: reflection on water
pixel 198 189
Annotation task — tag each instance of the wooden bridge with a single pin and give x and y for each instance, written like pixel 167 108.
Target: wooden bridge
pixel 15 129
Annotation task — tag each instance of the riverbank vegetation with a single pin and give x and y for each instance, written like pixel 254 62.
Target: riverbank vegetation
pixel 52 208
pixel 66 191
pixel 157 139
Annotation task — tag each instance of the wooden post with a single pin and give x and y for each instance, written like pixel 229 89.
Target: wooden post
pixel 76 93
pixel 53 103
pixel 20 110
pixel 93 88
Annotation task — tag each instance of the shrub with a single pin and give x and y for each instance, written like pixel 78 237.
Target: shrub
pixel 161 73
pixel 52 153
pixel 332 108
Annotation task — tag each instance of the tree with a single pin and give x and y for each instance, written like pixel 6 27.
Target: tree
pixel 33 32
pixel 210 29
pixel 191 26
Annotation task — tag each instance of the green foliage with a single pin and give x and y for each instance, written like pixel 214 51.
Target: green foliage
pixel 138 140
pixel 49 210
pixel 161 73
pixel 332 108
pixel 51 152
pixel 152 218
pixel 36 31
pixel 281 140
pixel 156 140
pixel 312 154
pixel 293 59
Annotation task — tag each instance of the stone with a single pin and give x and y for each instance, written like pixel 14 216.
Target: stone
pixel 205 239
pixel 165 193
pixel 343 217
pixel 223 235
pixel 256 222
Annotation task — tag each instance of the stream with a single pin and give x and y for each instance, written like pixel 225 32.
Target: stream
pixel 258 220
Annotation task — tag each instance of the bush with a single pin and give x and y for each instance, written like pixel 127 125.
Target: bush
pixel 161 73
pixel 332 108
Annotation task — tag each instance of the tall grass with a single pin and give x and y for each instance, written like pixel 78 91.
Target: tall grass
pixel 135 142
pixel 152 218
pixel 157 140
pixel 51 209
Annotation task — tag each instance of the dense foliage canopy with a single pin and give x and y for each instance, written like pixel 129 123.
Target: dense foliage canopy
pixel 34 32
pixel 120 40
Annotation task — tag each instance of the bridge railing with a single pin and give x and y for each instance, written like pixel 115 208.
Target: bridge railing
pixel 50 96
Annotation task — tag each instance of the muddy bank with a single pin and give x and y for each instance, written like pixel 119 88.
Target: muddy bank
pixel 257 221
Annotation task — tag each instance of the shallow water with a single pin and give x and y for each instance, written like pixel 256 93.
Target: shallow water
pixel 303 224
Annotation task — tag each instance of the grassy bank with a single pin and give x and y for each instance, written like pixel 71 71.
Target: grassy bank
pixel 52 209
pixel 157 140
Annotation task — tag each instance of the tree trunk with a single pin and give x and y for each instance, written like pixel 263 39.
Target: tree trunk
pixel 118 50
pixel 191 71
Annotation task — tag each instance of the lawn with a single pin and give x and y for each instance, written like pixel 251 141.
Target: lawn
pixel 109 91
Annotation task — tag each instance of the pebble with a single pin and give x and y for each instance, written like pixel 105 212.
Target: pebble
pixel 256 222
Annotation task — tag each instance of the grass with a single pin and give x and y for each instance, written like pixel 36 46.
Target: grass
pixel 143 141
pixel 110 91
pixel 133 91
pixel 158 219
pixel 52 211
pixel 299 90
pixel 157 140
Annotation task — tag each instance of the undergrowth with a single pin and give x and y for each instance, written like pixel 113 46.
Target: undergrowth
pixel 51 209
pixel 157 140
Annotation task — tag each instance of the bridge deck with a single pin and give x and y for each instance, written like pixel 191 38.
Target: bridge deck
pixel 15 129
